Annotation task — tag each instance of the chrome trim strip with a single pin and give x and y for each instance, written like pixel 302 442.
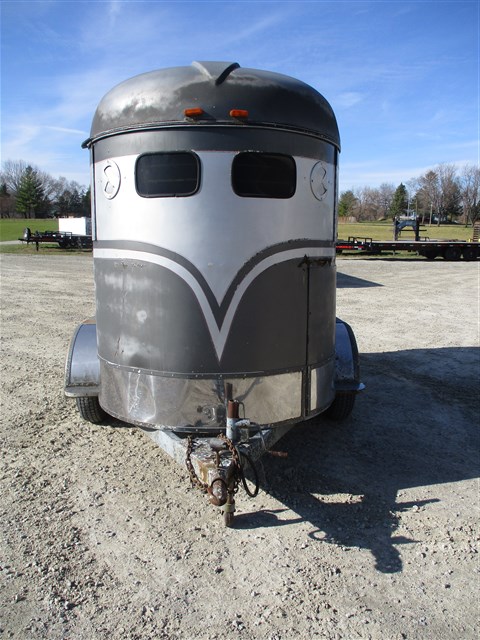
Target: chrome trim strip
pixel 160 402
pixel 322 392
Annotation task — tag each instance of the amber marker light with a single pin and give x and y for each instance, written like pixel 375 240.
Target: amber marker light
pixel 239 113
pixel 194 112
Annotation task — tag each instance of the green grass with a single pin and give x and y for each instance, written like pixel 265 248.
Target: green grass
pixel 44 249
pixel 12 228
pixel 384 231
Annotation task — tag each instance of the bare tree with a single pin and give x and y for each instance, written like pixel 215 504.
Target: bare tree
pixel 470 193
pixel 7 203
pixel 439 192
pixel 428 194
pixel 384 197
pixel 12 174
pixel 369 204
pixel 59 195
pixel 449 191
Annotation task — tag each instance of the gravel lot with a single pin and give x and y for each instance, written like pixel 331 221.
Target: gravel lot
pixel 367 530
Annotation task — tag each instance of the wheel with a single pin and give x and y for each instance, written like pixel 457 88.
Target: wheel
pixel 430 254
pixel 452 253
pixel 470 253
pixel 341 407
pixel 90 409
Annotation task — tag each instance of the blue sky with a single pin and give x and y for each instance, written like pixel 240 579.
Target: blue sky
pixel 402 77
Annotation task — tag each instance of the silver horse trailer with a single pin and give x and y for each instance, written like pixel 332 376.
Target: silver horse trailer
pixel 214 226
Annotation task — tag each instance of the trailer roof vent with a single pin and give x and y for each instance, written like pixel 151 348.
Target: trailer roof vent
pixel 218 71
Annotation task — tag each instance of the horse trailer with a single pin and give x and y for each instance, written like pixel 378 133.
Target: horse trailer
pixel 214 197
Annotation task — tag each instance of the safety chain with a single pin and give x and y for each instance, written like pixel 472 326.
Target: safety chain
pixel 237 471
pixel 239 475
pixel 194 479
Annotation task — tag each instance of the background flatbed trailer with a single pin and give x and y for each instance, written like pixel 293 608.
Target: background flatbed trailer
pixel 64 239
pixel 73 233
pixel 430 249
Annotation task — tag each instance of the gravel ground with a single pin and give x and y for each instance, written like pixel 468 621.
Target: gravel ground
pixel 365 530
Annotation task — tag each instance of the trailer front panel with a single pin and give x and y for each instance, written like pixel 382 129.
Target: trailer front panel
pixel 214 247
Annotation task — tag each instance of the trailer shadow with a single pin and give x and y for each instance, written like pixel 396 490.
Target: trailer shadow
pixel 416 425
pixel 345 281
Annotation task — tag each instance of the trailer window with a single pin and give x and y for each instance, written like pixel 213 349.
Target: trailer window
pixel 264 175
pixel 167 174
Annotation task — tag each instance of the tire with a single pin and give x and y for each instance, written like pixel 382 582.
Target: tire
pixel 341 407
pixel 452 254
pixel 90 409
pixel 430 254
pixel 470 253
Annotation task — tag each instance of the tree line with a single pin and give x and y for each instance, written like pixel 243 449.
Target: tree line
pixel 442 194
pixel 28 192
pixel 439 195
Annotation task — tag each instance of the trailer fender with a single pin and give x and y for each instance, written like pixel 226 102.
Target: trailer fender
pixel 82 369
pixel 347 369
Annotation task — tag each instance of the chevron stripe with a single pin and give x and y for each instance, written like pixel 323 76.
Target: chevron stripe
pixel 218 314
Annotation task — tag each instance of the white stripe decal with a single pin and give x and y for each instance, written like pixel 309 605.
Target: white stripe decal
pixel 219 335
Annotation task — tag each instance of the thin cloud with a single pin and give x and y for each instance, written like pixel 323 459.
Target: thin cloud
pixel 114 8
pixel 257 27
pixel 348 99
pixel 65 130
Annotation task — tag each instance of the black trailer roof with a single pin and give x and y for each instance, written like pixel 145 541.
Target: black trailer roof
pixel 159 98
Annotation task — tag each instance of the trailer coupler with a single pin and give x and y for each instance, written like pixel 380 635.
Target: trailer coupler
pixel 224 476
